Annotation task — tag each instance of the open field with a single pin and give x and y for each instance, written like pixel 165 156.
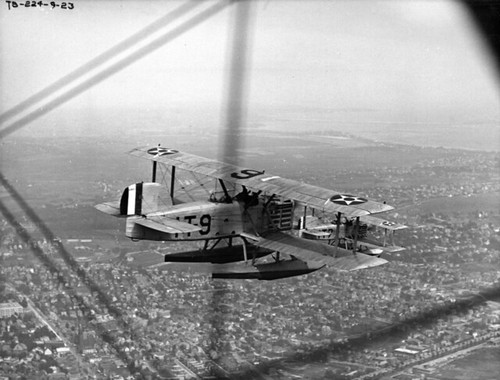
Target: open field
pixel 464 204
pixel 483 364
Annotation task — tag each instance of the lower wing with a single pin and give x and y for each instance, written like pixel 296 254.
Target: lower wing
pixel 311 251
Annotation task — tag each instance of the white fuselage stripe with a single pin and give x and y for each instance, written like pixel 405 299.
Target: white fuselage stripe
pixel 131 200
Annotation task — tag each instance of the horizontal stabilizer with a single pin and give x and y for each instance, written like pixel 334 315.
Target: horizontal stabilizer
pixel 169 226
pixel 312 251
pixel 110 208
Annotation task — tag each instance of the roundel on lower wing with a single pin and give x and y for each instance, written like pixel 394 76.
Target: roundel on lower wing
pixel 347 200
pixel 160 151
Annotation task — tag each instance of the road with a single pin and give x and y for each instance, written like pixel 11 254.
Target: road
pixel 81 363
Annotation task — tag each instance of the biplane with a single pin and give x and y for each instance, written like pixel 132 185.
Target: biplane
pixel 258 210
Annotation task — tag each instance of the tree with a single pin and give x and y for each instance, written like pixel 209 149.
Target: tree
pixel 23 302
pixel 329 374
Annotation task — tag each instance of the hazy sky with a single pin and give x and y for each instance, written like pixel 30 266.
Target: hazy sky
pixel 398 56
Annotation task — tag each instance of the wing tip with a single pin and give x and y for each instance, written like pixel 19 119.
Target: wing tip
pixel 371 262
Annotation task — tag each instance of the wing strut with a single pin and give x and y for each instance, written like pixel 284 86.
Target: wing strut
pixel 269 201
pixel 337 233
pixel 155 163
pixel 245 255
pixel 356 230
pixel 172 182
pixel 226 193
pixel 305 217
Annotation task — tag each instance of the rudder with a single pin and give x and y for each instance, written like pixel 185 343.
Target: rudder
pixel 140 199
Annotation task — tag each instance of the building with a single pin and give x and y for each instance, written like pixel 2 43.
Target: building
pixel 10 308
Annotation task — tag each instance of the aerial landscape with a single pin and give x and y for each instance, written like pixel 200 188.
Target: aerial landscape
pixel 80 300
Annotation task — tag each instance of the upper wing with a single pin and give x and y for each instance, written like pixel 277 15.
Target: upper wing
pixel 311 251
pixel 308 195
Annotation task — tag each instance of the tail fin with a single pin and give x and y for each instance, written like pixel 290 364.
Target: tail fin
pixel 140 199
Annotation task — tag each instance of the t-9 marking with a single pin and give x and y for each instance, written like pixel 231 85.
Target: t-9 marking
pixel 205 221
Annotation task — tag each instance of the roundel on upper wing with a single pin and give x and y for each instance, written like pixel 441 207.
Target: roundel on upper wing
pixel 347 200
pixel 160 151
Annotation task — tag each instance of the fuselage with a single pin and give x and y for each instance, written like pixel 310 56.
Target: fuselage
pixel 216 220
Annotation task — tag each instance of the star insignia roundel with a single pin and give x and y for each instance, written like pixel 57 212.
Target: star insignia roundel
pixel 160 151
pixel 347 200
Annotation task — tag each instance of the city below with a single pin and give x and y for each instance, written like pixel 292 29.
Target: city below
pixel 80 301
